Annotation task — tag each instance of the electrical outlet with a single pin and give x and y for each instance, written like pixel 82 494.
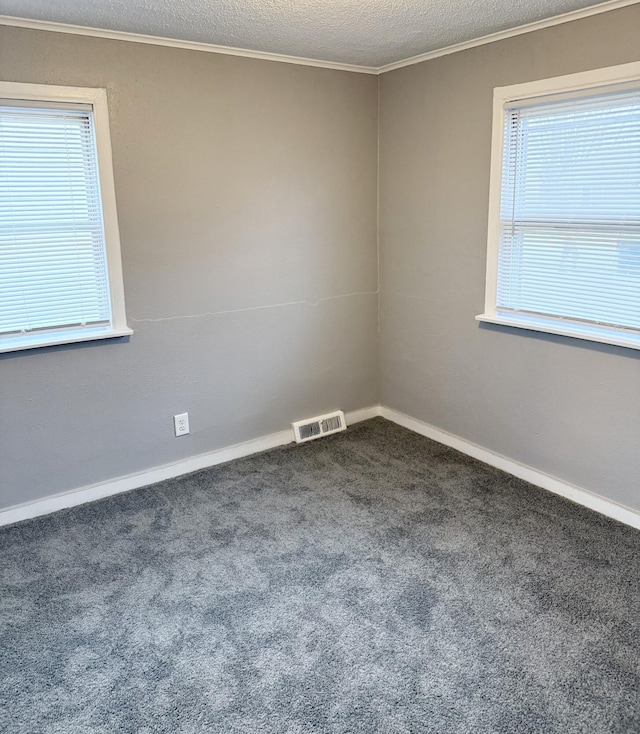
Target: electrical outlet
pixel 181 424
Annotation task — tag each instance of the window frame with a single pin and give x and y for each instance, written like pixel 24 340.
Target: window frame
pixel 96 98
pixel 568 85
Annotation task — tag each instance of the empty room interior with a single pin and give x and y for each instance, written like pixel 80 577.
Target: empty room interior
pixel 320 366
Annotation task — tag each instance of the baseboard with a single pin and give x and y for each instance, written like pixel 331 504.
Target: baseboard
pixel 98 491
pixel 364 414
pixel 126 483
pixel 581 496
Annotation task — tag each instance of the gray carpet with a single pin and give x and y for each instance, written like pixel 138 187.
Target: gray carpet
pixel 371 581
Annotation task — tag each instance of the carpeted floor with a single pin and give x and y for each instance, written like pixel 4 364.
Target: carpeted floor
pixel 372 581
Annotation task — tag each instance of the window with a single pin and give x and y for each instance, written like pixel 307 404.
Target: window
pixel 60 268
pixel 564 219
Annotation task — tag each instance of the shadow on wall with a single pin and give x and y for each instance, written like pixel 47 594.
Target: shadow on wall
pixel 558 339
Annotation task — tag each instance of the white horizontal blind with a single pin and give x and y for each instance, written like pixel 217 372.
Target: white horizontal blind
pixel 570 210
pixel 53 272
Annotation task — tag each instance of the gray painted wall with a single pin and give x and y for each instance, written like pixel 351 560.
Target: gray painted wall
pixel 563 406
pixel 247 203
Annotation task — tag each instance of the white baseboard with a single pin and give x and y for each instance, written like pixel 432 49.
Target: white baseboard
pixel 581 496
pixel 111 487
pixel 357 416
pixel 98 491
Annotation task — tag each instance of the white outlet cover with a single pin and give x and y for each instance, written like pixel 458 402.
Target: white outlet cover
pixel 181 424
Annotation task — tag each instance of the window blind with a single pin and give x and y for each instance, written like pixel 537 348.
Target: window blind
pixel 570 209
pixel 53 271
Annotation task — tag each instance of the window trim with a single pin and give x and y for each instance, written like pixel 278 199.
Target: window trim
pixel 569 84
pixel 97 99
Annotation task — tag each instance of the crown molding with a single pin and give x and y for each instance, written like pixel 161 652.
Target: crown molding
pixel 79 30
pixel 509 33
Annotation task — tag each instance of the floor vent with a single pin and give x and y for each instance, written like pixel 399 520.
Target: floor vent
pixel 321 425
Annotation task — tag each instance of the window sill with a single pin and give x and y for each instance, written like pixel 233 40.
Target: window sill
pixel 70 336
pixel 577 330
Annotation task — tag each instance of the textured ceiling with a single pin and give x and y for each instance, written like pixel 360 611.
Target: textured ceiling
pixel 362 32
